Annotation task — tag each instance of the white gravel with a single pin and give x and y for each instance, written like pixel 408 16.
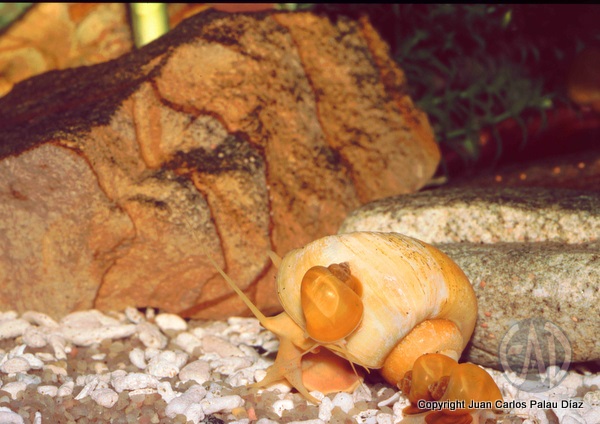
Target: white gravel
pixel 192 369
pixel 9 417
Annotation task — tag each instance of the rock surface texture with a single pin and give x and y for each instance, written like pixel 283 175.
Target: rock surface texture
pixel 529 253
pixel 231 135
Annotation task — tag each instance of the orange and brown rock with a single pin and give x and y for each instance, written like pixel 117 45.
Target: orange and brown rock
pixel 231 135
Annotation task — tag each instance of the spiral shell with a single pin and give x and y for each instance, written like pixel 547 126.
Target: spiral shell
pixel 404 282
pixel 379 300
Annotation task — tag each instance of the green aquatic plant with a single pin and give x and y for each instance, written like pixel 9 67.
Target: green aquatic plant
pixel 467 72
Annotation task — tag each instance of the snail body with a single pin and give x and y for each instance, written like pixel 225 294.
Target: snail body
pixel 378 300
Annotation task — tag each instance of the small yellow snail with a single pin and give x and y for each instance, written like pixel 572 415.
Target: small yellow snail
pixel 463 389
pixel 379 300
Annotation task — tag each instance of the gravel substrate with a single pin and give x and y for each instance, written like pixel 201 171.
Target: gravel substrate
pixel 136 367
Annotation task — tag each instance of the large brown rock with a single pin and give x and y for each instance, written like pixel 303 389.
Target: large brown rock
pixel 230 136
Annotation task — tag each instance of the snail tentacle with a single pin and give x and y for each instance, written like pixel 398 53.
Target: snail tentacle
pixel 257 313
pixel 275 258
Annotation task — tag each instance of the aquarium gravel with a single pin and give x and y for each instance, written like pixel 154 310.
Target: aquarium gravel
pixel 144 367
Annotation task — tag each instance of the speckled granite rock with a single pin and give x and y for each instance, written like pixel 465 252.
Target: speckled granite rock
pixel 528 253
pixel 514 281
pixel 485 215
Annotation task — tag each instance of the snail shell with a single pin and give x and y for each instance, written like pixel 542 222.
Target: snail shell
pixel 404 283
pixel 379 300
